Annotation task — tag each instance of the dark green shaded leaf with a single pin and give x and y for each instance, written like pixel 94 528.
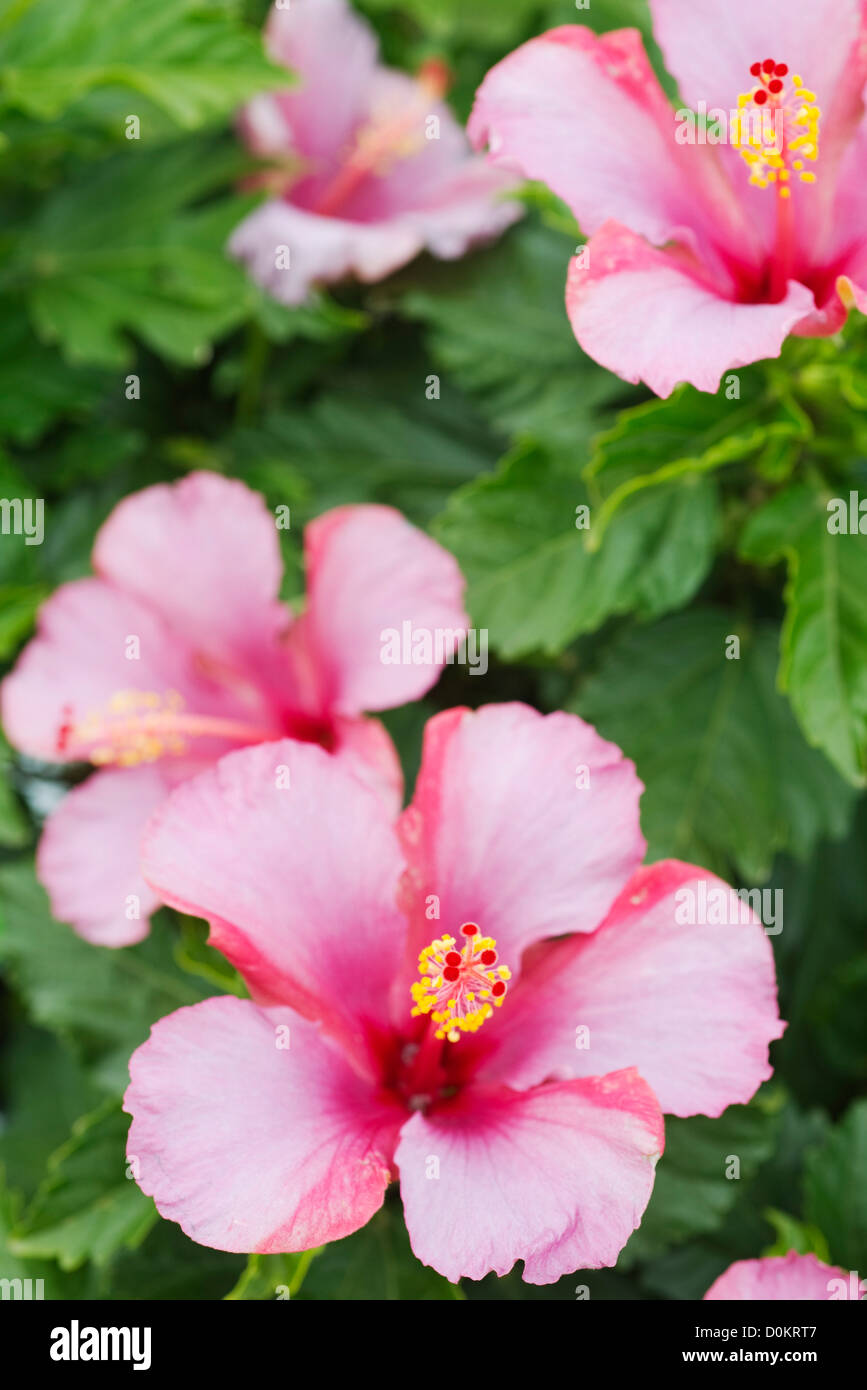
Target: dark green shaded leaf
pixel 102 1001
pixel 836 1189
pixel 88 1206
pixel 729 780
pixel 823 654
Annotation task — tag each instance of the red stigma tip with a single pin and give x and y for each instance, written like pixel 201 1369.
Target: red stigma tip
pixel 469 929
pixel 65 730
pixel 453 958
pixel 760 97
pixel 498 990
pixel 488 957
pixel 756 69
pixel 781 69
pixel 436 74
pixel 768 65
pixel 451 973
pixel 775 86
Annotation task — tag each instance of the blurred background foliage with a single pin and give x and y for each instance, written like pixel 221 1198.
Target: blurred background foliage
pixel 708 521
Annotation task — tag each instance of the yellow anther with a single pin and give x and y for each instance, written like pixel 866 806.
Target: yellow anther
pixel 459 989
pixel 772 124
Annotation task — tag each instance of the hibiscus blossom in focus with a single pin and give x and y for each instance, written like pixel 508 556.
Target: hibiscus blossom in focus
pixel 489 1000
pixel 179 651
pixel 702 257
pixel 374 167
pixel 792 1277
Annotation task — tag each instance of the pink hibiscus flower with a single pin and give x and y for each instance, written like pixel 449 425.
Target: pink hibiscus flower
pixel 798 1278
pixel 702 256
pixel 412 1014
pixel 375 166
pixel 179 651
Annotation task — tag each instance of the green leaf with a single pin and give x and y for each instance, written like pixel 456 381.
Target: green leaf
pixel 795 1235
pixel 820 956
pixel 729 780
pixel 15 829
pixel 87 1207
pixel 193 60
pixel 36 386
pixel 836 1189
pixel 364 446
pixel 487 21
pixel 45 1090
pixel 272 1276
pixel 823 657
pixel 692 1192
pixel 375 1264
pixel 120 249
pixel 47 1281
pixel 691 432
pixel 534 581
pixel 167 1265
pixel 194 955
pixel 101 1001
pixel 687 1270
pixel 18 606
pixel 498 323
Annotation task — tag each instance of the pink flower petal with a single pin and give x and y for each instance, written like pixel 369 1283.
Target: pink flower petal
pixel 450 195
pixel 642 314
pixel 844 244
pixel 693 1007
pixel 332 54
pixel 798 1278
pixel 250 1144
pixel 321 249
pixel 502 832
pixel 298 881
pixel 464 209
pixel 820 41
pixel 204 553
pixel 78 661
pixel 711 60
pixel 368 751
pixel 368 573
pixel 88 859
pixel 586 115
pixel 558 1177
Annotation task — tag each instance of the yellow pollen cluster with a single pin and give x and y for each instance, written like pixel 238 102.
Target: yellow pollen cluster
pixel 776 131
pixel 135 727
pixel 459 989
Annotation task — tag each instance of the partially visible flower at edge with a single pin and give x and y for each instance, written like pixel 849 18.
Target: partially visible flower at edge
pixel 490 1000
pixel 793 1277
pixel 374 168
pixel 702 257
pixel 179 651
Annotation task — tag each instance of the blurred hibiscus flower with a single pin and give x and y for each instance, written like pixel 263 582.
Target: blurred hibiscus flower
pixel 179 651
pixel 374 167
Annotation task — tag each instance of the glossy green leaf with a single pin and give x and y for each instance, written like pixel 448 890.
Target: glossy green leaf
pixel 536 582
pixel 193 60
